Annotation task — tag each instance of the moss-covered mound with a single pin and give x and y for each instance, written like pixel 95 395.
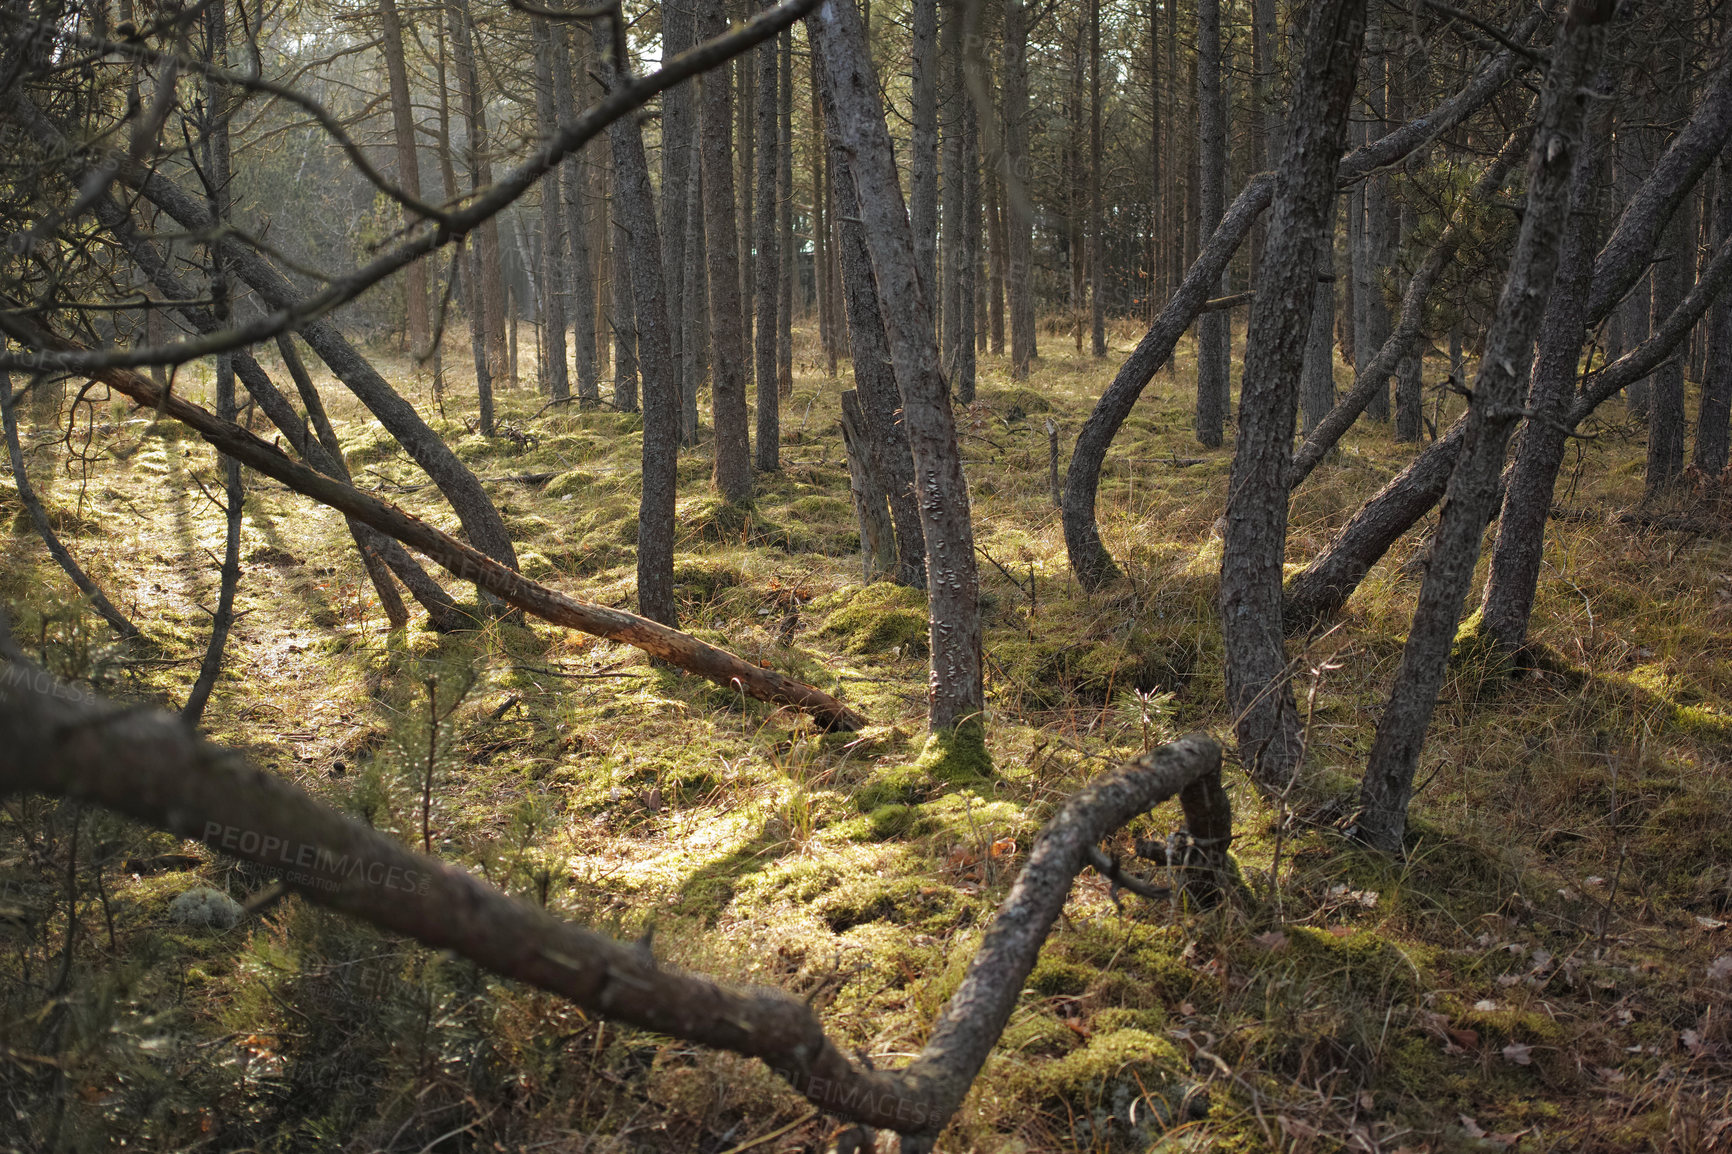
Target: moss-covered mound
pixel 877 619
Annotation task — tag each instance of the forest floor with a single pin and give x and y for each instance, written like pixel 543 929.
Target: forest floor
pixel 1549 969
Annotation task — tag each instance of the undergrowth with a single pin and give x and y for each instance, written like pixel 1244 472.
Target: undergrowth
pixel 1544 971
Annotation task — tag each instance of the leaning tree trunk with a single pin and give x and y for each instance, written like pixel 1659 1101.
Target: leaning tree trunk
pixel 1259 695
pixel 733 467
pixel 1214 327
pixel 956 692
pixel 1513 575
pixel 875 380
pixel 1492 414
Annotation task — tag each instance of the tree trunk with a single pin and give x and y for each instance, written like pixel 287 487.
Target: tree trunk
pixel 1259 694
pixel 733 468
pixel 1671 279
pixel 1317 386
pixel 218 175
pixel 995 256
pixel 1379 217
pixel 1513 575
pixel 1018 271
pixel 697 306
pixel 922 166
pixel 767 281
pixel 489 280
pixel 1088 557
pixel 1097 216
pixel 877 536
pixel 1716 407
pixel 1492 413
pixel 962 373
pixel 556 380
pixel 955 694
pixel 579 278
pixel 951 96
pixel 875 378
pixel 624 300
pixel 677 127
pixel 634 208
pixel 408 171
pixel 1214 328
pixel 787 273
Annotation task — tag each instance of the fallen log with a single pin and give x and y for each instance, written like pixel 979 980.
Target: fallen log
pixel 463 562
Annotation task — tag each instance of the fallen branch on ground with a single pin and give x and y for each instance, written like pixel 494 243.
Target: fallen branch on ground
pixel 56 739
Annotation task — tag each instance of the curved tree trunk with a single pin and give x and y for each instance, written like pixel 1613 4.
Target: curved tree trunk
pixel 1089 559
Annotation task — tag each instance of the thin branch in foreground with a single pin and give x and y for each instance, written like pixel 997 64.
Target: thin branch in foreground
pixel 58 740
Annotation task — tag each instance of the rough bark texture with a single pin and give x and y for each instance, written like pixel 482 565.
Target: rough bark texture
pixel 733 468
pixel 955 689
pixel 556 381
pixel 488 280
pixel 1513 575
pixel 579 279
pixel 1017 223
pixel 1712 419
pixel 697 302
pixel 677 127
pixel 56 740
pixel 1259 695
pixel 1671 279
pixel 1097 217
pixel 634 208
pixel 1496 406
pixel 1089 560
pixel 865 481
pixel 767 282
pixel 408 170
pixel 875 379
pixel 1214 328
pixel 922 166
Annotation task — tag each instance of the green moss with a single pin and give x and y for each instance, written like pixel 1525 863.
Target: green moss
pixel 369 445
pixel 1125 1086
pixel 703 577
pixel 1038 1035
pixel 569 484
pixel 888 821
pixel 956 756
pixel 818 508
pixel 877 618
pixel 1055 976
pixel 709 518
pixel 534 566
pixel 904 901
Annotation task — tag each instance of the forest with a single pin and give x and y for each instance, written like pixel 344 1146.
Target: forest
pixel 640 577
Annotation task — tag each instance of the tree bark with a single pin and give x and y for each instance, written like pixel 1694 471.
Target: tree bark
pixel 865 481
pixel 677 128
pixel 635 214
pixel 1379 255
pixel 1259 694
pixel 875 380
pixel 923 146
pixel 767 282
pixel 59 741
pixel 1671 279
pixel 1097 216
pixel 556 380
pixel 733 467
pixel 579 274
pixel 1715 413
pixel 956 694
pixel 787 274
pixel 489 279
pixel 1089 560
pixel 697 307
pixel 1492 413
pixel 1513 575
pixel 1214 328
pixel 408 170
pixel 1017 221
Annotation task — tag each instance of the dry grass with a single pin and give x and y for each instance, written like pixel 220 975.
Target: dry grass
pixel 1538 971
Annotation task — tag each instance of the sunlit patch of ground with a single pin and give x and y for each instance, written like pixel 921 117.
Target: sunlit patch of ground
pixel 1542 973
